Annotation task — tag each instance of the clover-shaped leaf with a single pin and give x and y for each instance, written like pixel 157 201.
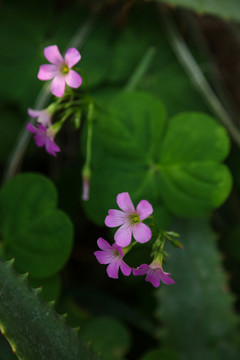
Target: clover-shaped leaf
pixel 176 163
pixel 32 230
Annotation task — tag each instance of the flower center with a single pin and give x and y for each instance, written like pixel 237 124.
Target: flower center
pixel 134 219
pixel 65 69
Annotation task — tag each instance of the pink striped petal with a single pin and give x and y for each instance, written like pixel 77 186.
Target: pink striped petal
pixel 123 235
pixel 125 203
pixel 115 218
pixel 103 257
pixel 141 233
pixel 144 209
pixel 126 270
pixel 103 244
pixel 141 270
pixel 72 57
pixel 73 79
pixel 53 55
pixel 112 269
pixel 47 72
pixel 153 277
pixel 58 86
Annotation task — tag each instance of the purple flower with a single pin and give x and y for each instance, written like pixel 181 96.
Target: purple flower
pixel 112 255
pixel 44 137
pixel 155 274
pixel 43 116
pixel 129 220
pixel 60 69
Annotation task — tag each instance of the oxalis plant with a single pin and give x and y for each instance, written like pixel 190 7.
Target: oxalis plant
pixel 155 169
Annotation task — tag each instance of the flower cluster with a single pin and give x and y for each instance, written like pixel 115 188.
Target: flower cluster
pixel 130 222
pixel 60 72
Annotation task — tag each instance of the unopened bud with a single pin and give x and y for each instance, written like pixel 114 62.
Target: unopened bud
pixel 86 176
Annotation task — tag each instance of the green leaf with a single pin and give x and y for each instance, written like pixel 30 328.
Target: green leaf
pixel 226 9
pixel 192 180
pixel 113 342
pixel 197 311
pixel 177 164
pixel 163 354
pixel 32 327
pixel 33 231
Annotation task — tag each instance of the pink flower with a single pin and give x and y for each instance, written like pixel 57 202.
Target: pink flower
pixel 112 255
pixel 44 137
pixel 129 220
pixel 43 116
pixel 155 274
pixel 60 69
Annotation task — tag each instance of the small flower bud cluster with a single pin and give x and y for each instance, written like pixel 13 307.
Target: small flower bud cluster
pixel 60 72
pixel 130 222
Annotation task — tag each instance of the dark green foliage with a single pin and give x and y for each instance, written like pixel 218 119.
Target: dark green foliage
pixel 33 328
pixel 155 143
pixel 175 162
pixel 163 354
pixel 113 342
pixel 196 312
pixel 33 231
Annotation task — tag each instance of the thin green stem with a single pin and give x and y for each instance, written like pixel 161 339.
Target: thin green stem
pixel 141 69
pixel 89 135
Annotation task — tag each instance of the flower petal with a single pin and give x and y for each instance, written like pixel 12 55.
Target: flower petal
pixel 115 218
pixel 141 270
pixel 125 203
pixel 73 79
pixel 103 257
pixel 52 54
pixel 112 269
pixel 72 57
pixel 44 118
pixel 141 233
pixel 47 72
pixel 103 244
pixel 123 235
pixel 34 113
pixel 52 147
pixel 126 270
pixel 165 278
pixel 31 128
pixel 153 277
pixel 118 248
pixel 144 209
pixel 40 139
pixel 58 86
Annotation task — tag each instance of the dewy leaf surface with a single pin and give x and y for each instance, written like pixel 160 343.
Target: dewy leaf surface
pixel 177 163
pixel 197 312
pixel 33 231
